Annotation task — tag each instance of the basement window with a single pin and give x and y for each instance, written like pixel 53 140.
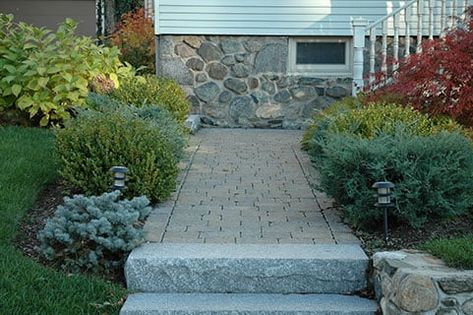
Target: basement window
pixel 321 56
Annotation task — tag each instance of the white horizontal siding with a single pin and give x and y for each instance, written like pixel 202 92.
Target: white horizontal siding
pixel 271 17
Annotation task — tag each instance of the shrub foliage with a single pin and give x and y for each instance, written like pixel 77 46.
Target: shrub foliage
pixel 154 91
pixel 45 74
pixel 91 144
pixel 94 233
pixel 433 174
pixel 135 39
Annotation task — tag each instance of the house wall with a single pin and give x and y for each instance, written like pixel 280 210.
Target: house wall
pixel 242 81
pixel 49 13
pixel 277 17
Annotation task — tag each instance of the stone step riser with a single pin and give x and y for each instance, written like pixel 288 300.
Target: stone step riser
pixel 247 304
pixel 285 269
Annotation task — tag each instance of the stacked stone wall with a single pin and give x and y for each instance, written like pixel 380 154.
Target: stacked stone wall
pixel 243 81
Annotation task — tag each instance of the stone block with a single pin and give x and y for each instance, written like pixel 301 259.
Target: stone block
pixel 246 268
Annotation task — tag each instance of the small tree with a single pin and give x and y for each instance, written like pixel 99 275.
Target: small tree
pixel 439 80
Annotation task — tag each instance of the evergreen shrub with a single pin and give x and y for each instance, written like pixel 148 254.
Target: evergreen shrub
pixel 154 91
pixel 91 144
pixel 94 233
pixel 158 115
pixel 433 174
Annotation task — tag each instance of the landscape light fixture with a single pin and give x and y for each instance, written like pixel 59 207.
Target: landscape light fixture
pixel 384 195
pixel 119 176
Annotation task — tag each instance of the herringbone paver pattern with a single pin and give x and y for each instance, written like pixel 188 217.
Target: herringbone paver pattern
pixel 248 186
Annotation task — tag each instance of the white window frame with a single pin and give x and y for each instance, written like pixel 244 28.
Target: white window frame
pixel 321 69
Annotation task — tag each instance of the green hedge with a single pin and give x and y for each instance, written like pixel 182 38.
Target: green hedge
pixel 91 144
pixel 433 174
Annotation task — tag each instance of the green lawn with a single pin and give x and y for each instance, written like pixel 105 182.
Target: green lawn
pixel 26 164
pixel 456 252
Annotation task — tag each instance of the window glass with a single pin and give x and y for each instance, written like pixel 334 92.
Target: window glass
pixel 308 53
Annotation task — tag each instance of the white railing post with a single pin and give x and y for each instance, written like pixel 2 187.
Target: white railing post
pixel 359 33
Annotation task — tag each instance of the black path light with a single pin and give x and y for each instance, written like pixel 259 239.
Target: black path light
pixel 119 176
pixel 384 194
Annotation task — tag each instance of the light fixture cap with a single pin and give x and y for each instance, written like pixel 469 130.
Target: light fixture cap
pixel 119 169
pixel 383 185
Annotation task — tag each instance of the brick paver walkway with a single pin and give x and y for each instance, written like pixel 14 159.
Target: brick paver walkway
pixel 247 186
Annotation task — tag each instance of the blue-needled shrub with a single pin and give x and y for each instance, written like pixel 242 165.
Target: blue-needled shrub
pixel 92 143
pixel 433 174
pixel 158 115
pixel 94 233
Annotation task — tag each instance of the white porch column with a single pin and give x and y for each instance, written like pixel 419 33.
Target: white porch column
pixel 359 33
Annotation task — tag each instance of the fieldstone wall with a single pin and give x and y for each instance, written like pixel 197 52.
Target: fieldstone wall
pixel 411 282
pixel 243 81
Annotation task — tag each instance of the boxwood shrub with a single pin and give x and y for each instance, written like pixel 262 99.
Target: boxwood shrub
pixel 152 90
pixel 91 144
pixel 433 174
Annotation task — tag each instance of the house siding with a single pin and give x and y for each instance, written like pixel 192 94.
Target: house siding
pixel 272 17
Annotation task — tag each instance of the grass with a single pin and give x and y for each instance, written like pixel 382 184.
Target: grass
pixel 27 164
pixel 455 252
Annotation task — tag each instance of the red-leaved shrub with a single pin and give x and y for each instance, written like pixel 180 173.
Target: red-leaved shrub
pixel 439 80
pixel 135 39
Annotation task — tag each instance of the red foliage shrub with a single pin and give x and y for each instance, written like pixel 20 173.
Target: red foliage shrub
pixel 135 39
pixel 439 80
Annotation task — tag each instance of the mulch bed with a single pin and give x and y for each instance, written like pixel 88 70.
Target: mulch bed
pixel 35 219
pixel 405 237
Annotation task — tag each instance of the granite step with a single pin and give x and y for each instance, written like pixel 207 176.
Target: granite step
pixel 247 268
pixel 247 304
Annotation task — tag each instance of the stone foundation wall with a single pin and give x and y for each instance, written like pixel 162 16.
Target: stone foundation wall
pixel 243 81
pixel 409 282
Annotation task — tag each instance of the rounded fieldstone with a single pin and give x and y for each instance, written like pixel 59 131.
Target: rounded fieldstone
pixel 457 284
pixel 177 70
pixel 282 96
pixel 253 45
pixel 207 92
pixel 231 46
pixel 225 97
pixel 194 101
pixel 271 58
pixel 259 97
pixel 201 77
pixel 193 41
pixel 216 70
pixel 269 111
pixel 195 64
pixel 235 85
pixel 467 307
pixel 268 87
pixel 283 82
pixel 337 92
pixel 417 294
pixel 240 71
pixel 304 93
pixel 450 302
pixel 322 102
pixel 272 77
pixel 446 311
pixel 209 52
pixel 228 60
pixel 241 107
pixel 241 57
pixel 253 83
pixel 183 50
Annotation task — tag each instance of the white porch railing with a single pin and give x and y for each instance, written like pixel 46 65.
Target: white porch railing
pixel 407 26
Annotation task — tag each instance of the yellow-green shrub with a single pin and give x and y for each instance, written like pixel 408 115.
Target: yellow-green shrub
pixel 151 90
pixel 45 74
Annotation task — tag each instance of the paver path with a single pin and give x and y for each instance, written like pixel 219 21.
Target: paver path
pixel 247 186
